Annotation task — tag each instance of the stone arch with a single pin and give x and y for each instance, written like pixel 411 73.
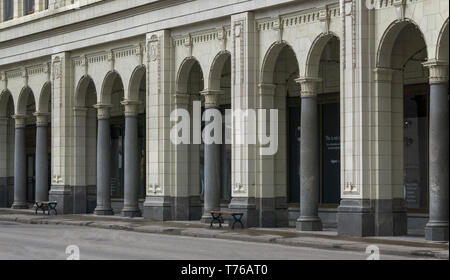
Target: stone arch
pixel 108 86
pixel 216 70
pixel 389 38
pixel 270 61
pixel 315 53
pixel 137 77
pixel 26 96
pixel 442 43
pixel 184 72
pixel 44 99
pixel 82 88
pixel 5 102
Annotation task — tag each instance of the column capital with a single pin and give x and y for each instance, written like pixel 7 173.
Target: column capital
pixel 308 86
pixel 102 110
pixel 438 70
pixel 182 98
pixel 212 98
pixel 41 118
pixel 21 120
pixel 131 107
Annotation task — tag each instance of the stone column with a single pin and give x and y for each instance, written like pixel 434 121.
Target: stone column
pixel 212 163
pixel 437 226
pixel 131 172
pixel 309 157
pixel 103 161
pixel 41 157
pixel 20 168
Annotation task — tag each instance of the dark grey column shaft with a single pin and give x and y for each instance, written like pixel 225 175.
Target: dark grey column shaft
pixel 212 179
pixel 20 175
pixel 41 163
pixel 131 208
pixel 103 168
pixel 437 227
pixel 309 166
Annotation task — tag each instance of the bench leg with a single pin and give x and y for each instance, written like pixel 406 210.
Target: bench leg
pixel 237 220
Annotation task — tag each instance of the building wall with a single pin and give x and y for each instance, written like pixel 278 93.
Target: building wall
pixel 73 41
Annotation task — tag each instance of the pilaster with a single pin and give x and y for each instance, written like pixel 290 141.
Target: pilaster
pixel 158 203
pixel 61 137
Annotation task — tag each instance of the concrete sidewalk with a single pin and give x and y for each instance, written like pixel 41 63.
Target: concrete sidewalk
pixel 408 246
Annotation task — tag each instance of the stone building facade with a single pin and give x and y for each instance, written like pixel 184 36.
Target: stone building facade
pixel 87 88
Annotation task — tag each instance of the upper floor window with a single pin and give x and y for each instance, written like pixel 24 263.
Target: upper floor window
pixel 8 9
pixel 46 4
pixel 28 7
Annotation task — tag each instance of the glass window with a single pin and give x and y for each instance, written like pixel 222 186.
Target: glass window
pixel 8 9
pixel 28 7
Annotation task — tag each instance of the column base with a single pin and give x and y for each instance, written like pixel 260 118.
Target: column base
pixel 20 205
pixel 247 206
pixel 436 231
pixel 84 199
pixel 63 195
pixel 131 212
pixel 101 211
pixel 355 217
pixel 309 224
pixel 158 208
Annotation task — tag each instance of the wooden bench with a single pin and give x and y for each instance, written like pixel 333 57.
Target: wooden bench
pixel 49 206
pixel 218 216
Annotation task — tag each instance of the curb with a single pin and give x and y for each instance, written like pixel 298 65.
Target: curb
pixel 269 239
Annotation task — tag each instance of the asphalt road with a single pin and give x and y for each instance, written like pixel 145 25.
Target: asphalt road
pixel 49 242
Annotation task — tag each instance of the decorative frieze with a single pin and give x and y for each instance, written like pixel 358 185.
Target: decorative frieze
pixel 299 18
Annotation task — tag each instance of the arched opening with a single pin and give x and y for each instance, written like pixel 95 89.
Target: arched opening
pixel 324 62
pixel 137 95
pixel 189 185
pixel 7 127
pixel 85 124
pixel 112 95
pixel 26 107
pixel 220 79
pixel 280 181
pixel 43 144
pixel 401 55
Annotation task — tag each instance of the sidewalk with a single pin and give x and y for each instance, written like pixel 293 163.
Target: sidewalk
pixel 408 246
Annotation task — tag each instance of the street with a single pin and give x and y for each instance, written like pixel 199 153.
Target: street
pixel 49 242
